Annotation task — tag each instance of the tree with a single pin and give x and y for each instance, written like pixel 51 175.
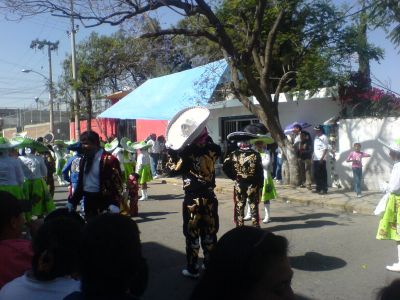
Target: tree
pixel 271 46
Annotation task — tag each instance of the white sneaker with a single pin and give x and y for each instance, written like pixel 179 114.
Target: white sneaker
pixel 186 273
pixel 359 195
pixel 247 218
pixel 155 177
pixel 394 268
pixel 266 220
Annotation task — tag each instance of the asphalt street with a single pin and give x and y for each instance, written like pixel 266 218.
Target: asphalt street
pixel 334 255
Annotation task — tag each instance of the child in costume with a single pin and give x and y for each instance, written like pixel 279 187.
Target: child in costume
pixel 268 190
pixel 389 224
pixel 355 157
pixel 143 167
pixel 133 193
pixel 244 166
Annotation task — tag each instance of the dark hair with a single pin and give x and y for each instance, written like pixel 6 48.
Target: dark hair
pixel 10 207
pixel 111 259
pixel 390 292
pixel 56 240
pixel 136 175
pixel 298 126
pixel 357 143
pixel 240 259
pixel 91 136
pixel 64 213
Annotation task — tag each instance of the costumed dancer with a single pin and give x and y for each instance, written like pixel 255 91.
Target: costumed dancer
pixel 268 190
pixel 50 165
pixel 133 194
pixel 129 160
pixel 99 182
pixel 389 224
pixel 35 187
pixel 60 161
pixel 143 167
pixel 11 173
pixel 244 166
pixel 188 137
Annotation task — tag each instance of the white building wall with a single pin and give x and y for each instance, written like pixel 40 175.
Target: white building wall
pixel 313 111
pixel 376 169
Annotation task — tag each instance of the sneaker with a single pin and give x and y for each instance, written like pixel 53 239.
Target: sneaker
pixel 247 218
pixel 323 192
pixel 394 268
pixel 187 273
pixel 155 177
pixel 302 186
pixel 359 195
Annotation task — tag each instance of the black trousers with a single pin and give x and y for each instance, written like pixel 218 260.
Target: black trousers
pixel 200 226
pixel 320 175
pixel 94 204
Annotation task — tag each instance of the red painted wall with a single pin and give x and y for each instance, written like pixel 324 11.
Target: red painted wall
pixel 108 127
pixel 102 126
pixel 145 127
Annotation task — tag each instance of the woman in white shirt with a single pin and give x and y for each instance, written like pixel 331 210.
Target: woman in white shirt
pixel 389 225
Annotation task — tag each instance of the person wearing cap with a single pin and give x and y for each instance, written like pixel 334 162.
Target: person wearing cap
pixel 304 152
pixel 388 228
pixel 99 181
pixel 197 154
pixel 319 160
pixel 244 166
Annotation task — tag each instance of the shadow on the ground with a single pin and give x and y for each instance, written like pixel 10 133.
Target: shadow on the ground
pixel 304 217
pixel 307 224
pixel 316 262
pixel 165 197
pixel 152 216
pixel 165 278
pixel 301 297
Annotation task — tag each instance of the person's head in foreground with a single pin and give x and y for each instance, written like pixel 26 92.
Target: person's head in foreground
pixel 390 292
pixel 247 263
pixel 11 217
pixel 111 262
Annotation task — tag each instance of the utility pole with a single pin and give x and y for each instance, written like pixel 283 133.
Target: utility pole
pixel 50 47
pixel 73 60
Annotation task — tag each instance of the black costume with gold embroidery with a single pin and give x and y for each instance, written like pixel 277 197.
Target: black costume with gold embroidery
pixel 245 168
pixel 200 206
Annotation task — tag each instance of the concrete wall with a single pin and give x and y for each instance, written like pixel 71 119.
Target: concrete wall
pixel 366 131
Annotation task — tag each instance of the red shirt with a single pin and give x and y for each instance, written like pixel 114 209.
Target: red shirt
pixel 15 259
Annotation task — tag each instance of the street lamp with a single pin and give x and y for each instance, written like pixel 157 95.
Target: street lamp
pixel 49 82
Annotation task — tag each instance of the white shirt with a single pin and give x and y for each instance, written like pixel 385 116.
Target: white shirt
pixel 320 145
pixel 266 162
pixel 155 146
pixel 24 287
pixel 33 166
pixel 394 181
pixel 118 153
pixel 91 180
pixel 143 159
pixel 10 170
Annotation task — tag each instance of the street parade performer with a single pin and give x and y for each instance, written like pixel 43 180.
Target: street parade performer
pixel 389 224
pixel 100 181
pixel 197 153
pixel 244 166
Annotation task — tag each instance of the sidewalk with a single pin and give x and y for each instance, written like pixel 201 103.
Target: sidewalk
pixel 336 198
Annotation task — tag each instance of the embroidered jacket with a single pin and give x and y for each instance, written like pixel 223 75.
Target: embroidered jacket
pixel 244 165
pixel 111 187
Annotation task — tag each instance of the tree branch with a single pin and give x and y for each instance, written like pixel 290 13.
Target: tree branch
pixel 281 84
pixel 177 31
pixel 255 35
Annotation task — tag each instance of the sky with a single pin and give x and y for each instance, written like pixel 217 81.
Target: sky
pixel 18 89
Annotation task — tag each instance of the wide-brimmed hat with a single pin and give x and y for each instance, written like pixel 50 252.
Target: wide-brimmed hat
pixel 6 144
pixel 319 127
pixel 265 140
pixel 250 132
pixel 127 145
pixel 141 145
pixel 110 147
pixel 59 143
pixel 27 142
pixel 186 126
pixel 394 146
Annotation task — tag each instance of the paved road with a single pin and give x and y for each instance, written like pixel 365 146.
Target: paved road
pixel 334 255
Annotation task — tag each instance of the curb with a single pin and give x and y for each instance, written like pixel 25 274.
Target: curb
pixel 337 201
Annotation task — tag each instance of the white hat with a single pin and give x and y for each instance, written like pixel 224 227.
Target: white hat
pixel 110 147
pixel 141 145
pixel 394 146
pixel 186 126
pixel 127 145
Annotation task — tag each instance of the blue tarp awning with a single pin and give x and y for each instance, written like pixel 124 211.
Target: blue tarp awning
pixel 162 97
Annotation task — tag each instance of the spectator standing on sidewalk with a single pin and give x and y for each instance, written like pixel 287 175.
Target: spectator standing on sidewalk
pixel 304 152
pixel 154 152
pixel 319 160
pixel 355 157
pixel 188 136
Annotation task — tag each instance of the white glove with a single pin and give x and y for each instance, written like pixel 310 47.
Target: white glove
pixel 113 209
pixel 70 207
